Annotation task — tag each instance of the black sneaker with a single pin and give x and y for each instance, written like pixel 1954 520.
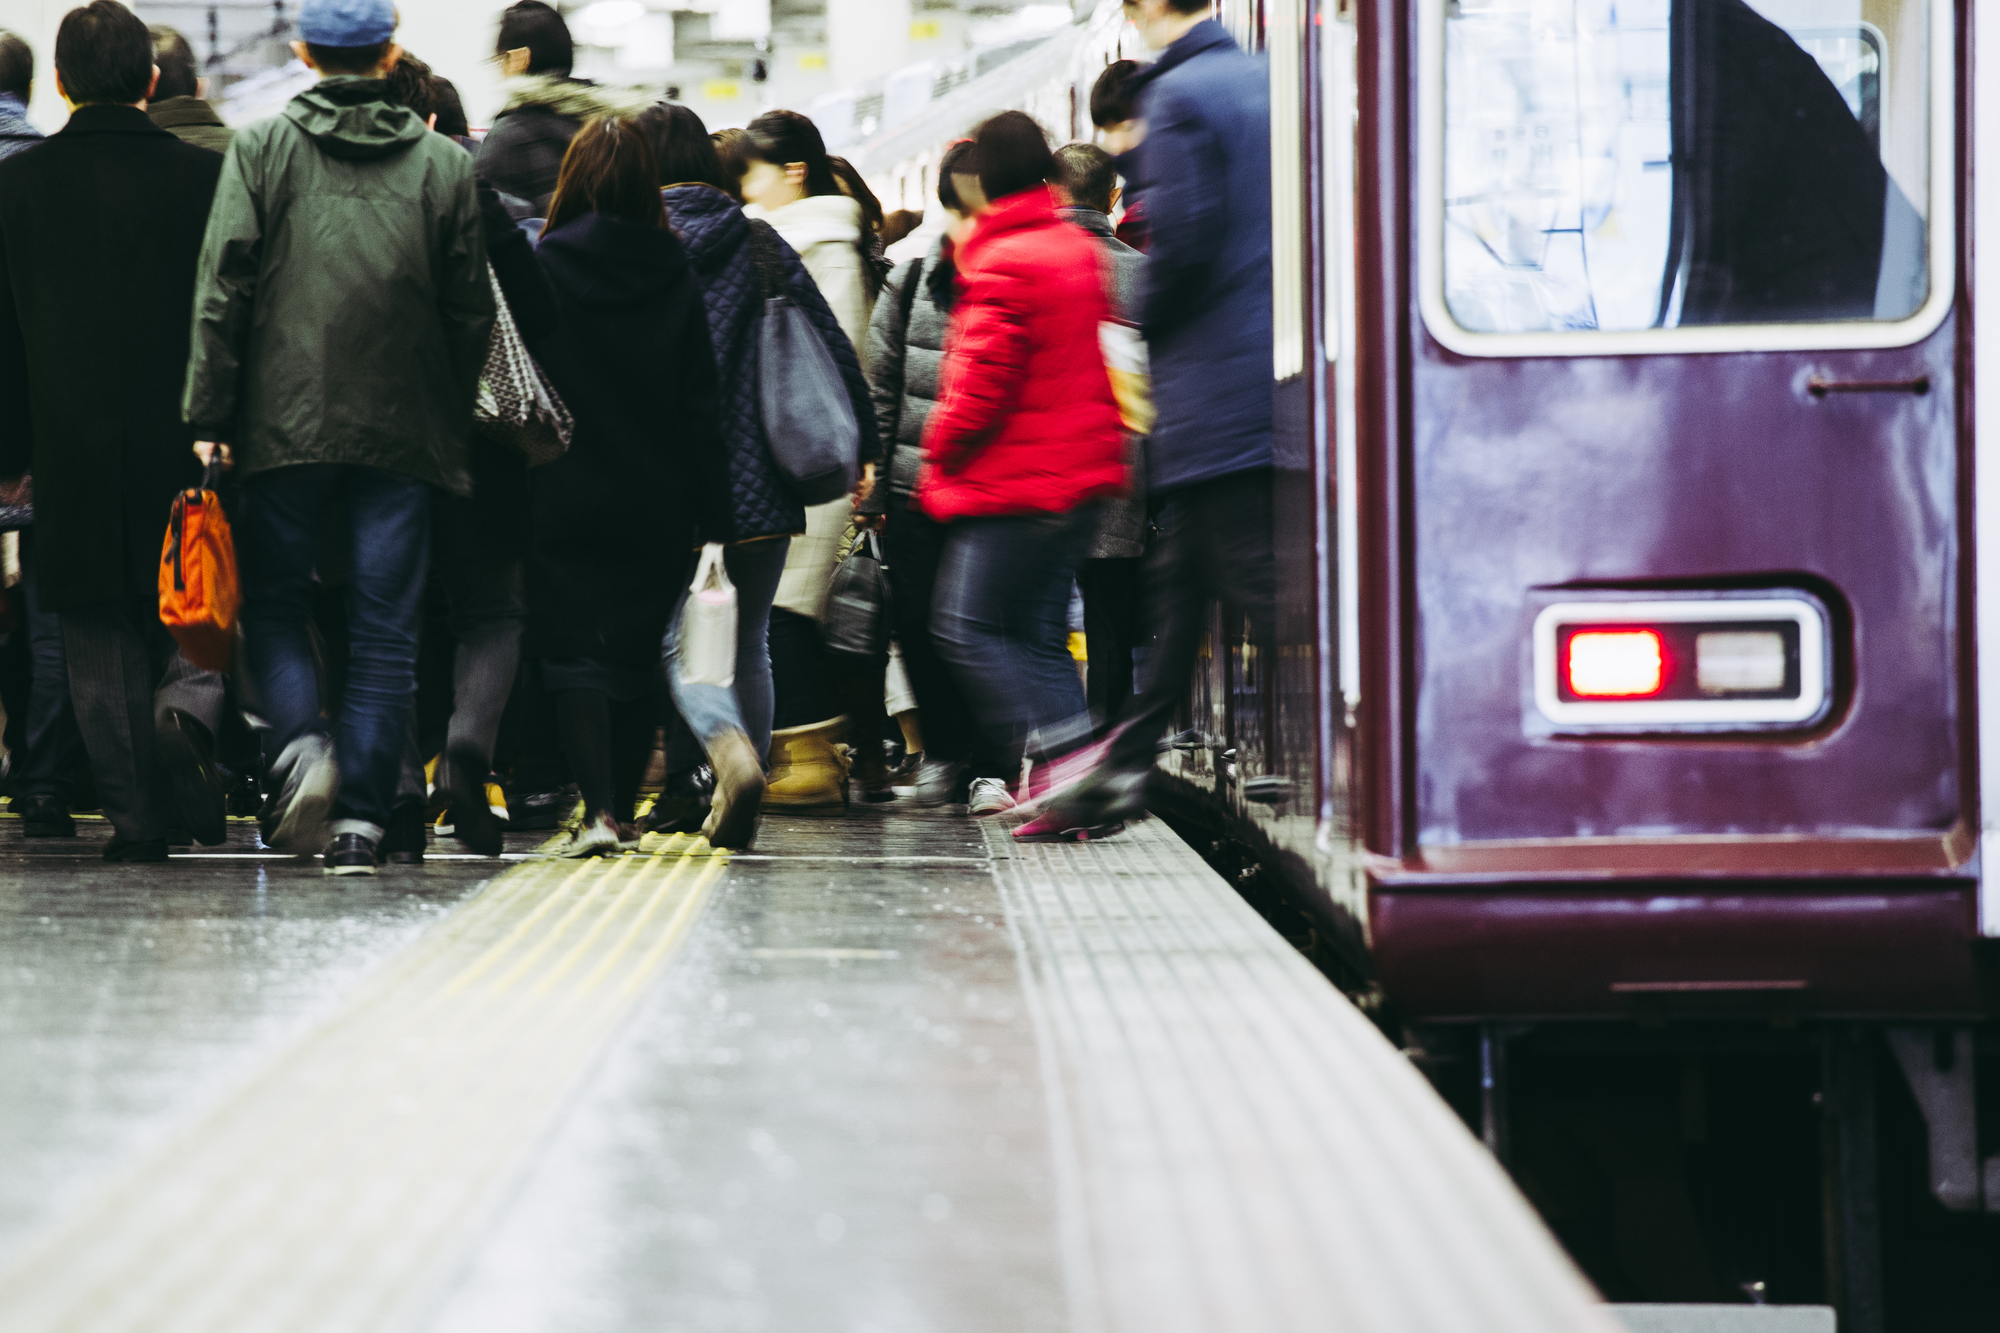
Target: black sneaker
pixel 350 854
pixel 195 782
pixel 45 817
pixel 540 809
pixel 472 819
pixel 683 803
pixel 135 849
pixel 403 842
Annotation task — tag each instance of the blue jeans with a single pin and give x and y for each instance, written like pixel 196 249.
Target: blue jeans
pixel 1000 618
pixel 755 568
pixel 389 531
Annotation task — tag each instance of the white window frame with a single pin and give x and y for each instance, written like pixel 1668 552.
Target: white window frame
pixel 1814 685
pixel 1833 335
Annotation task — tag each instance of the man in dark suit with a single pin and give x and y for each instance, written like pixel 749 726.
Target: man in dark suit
pixel 96 299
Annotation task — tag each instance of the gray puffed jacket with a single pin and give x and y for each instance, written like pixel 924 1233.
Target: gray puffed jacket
pixel 903 360
pixel 1121 533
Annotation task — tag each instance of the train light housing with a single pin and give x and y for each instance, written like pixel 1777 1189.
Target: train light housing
pixel 1700 663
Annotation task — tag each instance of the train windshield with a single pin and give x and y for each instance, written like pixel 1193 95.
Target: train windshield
pixel 1644 164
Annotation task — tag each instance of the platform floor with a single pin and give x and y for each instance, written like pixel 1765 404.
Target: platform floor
pixel 890 1072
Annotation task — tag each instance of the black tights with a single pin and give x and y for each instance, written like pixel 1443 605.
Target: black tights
pixel 607 743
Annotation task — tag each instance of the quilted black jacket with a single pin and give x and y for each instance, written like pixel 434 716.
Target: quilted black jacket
pixel 717 237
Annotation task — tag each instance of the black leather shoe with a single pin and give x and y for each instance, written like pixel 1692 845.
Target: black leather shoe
pixel 683 803
pixel 198 788
pixel 403 842
pixel 45 817
pixel 472 820
pixel 350 854
pixel 135 849
pixel 540 809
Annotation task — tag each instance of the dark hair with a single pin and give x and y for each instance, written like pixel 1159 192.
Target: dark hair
pixel 680 141
pixel 958 160
pixel 1111 98
pixel 732 152
pixel 1088 173
pixel 850 183
pixel 450 110
pixel 104 54
pixel 538 27
pixel 899 224
pixel 17 65
pixel 784 137
pixel 411 84
pixel 175 58
pixel 349 59
pixel 1013 154
pixel 1189 6
pixel 610 168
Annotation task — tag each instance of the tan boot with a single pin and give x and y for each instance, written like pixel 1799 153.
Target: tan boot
pixel 807 773
pixel 739 786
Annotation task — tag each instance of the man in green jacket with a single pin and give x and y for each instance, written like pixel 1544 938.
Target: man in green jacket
pixel 340 323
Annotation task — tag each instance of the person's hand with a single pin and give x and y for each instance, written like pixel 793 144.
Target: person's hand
pixel 866 486
pixel 213 451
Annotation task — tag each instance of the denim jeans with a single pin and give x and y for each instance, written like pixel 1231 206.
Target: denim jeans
pixel 1000 617
pixel 55 761
pixel 389 527
pixel 710 710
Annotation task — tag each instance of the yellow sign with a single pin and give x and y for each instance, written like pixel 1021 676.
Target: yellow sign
pixel 715 90
pixel 926 31
pixel 813 60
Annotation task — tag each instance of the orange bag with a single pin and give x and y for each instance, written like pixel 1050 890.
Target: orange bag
pixel 198 590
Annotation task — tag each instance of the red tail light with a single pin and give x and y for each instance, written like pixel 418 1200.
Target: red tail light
pixel 1614 664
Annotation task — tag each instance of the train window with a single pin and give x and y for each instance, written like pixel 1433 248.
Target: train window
pixel 1636 167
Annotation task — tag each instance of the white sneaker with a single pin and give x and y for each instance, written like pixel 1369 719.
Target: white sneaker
pixel 294 815
pixel 989 796
pixel 599 837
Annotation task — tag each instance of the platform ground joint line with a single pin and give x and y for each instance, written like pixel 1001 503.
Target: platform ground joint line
pixel 332 1190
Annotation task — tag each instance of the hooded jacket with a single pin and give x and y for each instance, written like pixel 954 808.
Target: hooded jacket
pixel 191 120
pixel 614 517
pixel 522 154
pixel 343 306
pixel 717 237
pixel 15 131
pixel 1025 422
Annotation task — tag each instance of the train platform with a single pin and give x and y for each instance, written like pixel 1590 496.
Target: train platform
pixel 889 1073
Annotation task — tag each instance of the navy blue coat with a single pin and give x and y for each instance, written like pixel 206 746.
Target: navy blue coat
pixel 717 237
pixel 1205 171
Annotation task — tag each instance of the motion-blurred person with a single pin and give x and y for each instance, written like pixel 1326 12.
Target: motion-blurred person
pixel 761 516
pixel 89 401
pixel 899 224
pixel 906 347
pixel 615 517
pixel 1114 110
pixel 177 104
pixel 1205 168
pixel 1021 448
pixel 1110 576
pixel 789 181
pixel 337 346
pixel 17 85
pixel 523 152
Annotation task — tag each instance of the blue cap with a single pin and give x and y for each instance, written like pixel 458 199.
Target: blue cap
pixel 346 22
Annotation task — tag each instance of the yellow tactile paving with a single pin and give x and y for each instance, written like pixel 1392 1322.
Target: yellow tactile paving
pixel 332 1190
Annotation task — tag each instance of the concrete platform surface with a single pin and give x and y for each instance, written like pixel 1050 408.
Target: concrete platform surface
pixel 888 1072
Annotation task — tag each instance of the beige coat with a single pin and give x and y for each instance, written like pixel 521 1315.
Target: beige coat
pixel 825 229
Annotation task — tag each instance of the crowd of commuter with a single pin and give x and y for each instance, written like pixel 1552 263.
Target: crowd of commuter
pixel 452 625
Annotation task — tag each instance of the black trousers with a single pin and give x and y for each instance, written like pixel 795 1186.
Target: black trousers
pixel 1113 621
pixel 1214 544
pixel 913 544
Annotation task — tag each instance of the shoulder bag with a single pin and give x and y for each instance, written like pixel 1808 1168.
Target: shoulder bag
pixel 517 406
pixel 858 621
pixel 808 417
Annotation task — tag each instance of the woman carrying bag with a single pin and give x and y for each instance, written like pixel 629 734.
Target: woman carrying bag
pixel 615 517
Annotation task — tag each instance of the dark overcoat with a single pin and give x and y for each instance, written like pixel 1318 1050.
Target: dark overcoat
pixel 99 232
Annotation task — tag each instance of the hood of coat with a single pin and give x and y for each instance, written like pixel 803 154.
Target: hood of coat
pixel 577 99
pixel 354 119
pixel 814 220
pixel 604 262
pixel 709 223
pixel 1020 212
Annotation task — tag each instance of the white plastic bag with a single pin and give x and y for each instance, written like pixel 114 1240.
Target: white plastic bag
pixel 708 624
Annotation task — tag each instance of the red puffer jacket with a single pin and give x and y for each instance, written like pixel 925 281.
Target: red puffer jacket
pixel 1025 422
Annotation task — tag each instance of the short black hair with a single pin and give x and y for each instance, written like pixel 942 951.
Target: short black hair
pixel 175 58
pixel 450 108
pixel 1013 154
pixel 104 54
pixel 17 65
pixel 1088 174
pixel 348 59
pixel 538 27
pixel 957 160
pixel 1111 98
pixel 687 155
pixel 1189 6
pixel 411 84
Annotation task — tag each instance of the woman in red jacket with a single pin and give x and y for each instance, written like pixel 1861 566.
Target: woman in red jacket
pixel 1023 443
